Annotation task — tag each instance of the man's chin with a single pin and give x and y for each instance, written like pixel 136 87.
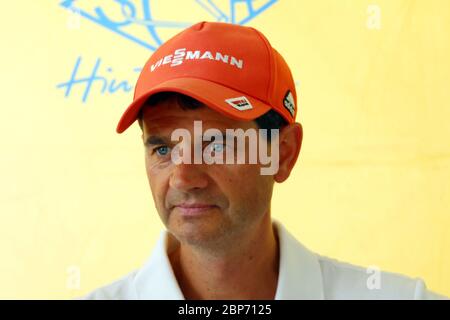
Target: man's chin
pixel 206 237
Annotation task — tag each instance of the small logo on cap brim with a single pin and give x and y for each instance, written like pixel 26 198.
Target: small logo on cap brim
pixel 239 103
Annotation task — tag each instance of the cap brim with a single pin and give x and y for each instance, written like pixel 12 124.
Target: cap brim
pixel 210 93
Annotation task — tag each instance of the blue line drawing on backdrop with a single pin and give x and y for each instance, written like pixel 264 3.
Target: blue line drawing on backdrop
pixel 130 17
pixel 213 10
pixel 220 16
pixel 95 77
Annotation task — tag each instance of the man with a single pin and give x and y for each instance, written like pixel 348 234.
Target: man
pixel 221 242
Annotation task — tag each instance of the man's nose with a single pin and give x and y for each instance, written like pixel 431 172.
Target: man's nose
pixel 186 177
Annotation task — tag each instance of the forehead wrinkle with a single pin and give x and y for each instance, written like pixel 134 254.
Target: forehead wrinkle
pixel 167 127
pixel 176 120
pixel 173 117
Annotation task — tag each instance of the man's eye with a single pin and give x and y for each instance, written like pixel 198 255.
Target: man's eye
pixel 162 150
pixel 217 147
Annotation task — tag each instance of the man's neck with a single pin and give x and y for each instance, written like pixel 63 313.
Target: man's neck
pixel 248 271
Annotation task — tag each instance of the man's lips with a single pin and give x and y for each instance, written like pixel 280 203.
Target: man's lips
pixel 194 205
pixel 194 209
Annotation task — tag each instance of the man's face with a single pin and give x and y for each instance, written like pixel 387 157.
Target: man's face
pixel 236 195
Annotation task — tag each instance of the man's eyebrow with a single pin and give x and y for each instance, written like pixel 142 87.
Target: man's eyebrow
pixel 158 140
pixel 155 140
pixel 227 136
pixel 224 136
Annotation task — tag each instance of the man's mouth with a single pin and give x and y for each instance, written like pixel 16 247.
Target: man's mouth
pixel 194 209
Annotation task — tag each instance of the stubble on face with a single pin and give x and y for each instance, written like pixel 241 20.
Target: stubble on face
pixel 239 192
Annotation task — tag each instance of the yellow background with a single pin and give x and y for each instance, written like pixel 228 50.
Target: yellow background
pixel 371 186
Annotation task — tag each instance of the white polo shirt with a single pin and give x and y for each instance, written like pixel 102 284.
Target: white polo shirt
pixel 303 274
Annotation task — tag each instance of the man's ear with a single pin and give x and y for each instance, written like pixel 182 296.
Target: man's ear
pixel 290 143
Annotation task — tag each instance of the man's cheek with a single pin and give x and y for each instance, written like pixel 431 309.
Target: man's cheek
pixel 158 196
pixel 163 212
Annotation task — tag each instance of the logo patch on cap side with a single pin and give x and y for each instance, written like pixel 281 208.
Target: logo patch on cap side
pixel 289 103
pixel 239 103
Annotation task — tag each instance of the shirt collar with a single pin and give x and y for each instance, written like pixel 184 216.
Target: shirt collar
pixel 156 279
pixel 299 275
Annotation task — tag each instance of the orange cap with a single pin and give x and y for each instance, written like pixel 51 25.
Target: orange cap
pixel 230 68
